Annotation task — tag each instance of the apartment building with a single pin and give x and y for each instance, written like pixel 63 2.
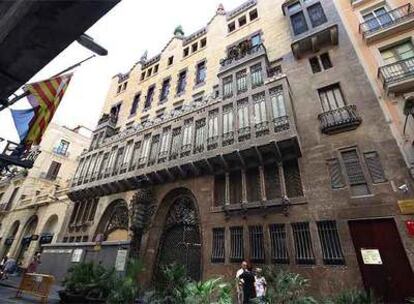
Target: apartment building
pixel 33 203
pixel 382 33
pixel 257 137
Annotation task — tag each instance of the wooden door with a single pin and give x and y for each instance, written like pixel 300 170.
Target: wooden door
pixel 389 277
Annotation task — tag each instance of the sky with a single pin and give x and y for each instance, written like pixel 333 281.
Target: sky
pixel 129 29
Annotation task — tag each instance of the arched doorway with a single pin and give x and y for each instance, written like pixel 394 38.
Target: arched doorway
pixel 28 233
pixel 49 230
pixel 181 242
pixel 114 222
pixel 10 237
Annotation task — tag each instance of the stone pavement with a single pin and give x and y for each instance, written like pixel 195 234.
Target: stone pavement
pixel 8 290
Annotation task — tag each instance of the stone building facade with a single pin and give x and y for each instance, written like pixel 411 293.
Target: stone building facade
pixel 257 137
pixel 382 33
pixel 34 204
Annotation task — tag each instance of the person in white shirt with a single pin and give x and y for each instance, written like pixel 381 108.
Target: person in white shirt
pixel 260 285
pixel 240 282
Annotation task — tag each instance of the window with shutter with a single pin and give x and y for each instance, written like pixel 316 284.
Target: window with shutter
pixel 243 127
pixel 175 143
pixel 228 87
pixel 303 243
pixel 293 180
pixel 375 167
pixel 260 113
pixel 53 171
pixel 256 75
pixel 218 251
pixel 241 81
pixel 228 125
pixel 280 118
pixel 146 145
pixel 212 138
pixel 335 172
pixel 354 172
pixel 135 155
pixel 187 137
pixel 278 244
pixel 236 244
pixel 165 144
pixel 154 150
pixel 200 135
pixel 331 246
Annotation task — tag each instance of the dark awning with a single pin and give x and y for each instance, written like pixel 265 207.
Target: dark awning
pixel 32 33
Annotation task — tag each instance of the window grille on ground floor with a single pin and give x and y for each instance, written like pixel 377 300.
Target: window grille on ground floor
pixel 278 244
pixel 303 243
pixel 237 244
pixel 331 246
pixel 257 252
pixel 218 253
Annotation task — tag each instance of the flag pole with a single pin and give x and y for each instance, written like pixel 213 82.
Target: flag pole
pixel 6 104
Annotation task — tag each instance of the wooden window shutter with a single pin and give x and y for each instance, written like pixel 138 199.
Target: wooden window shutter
pixel 375 167
pixel 335 172
pixel 353 167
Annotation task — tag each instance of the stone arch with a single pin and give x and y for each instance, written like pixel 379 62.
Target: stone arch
pixel 28 231
pixel 113 225
pixel 180 240
pixel 49 229
pixel 10 237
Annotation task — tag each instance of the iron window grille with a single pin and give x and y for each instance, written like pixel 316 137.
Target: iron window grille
pixel 218 249
pixel 303 244
pixel 257 253
pixel 331 245
pixel 278 244
pixel 236 244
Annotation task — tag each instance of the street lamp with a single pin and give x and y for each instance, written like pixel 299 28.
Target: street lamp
pixel 88 42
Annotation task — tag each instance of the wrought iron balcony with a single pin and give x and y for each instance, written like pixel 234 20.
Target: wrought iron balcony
pixel 241 53
pixel 397 77
pixel 396 20
pixel 273 139
pixel 107 120
pixel 339 120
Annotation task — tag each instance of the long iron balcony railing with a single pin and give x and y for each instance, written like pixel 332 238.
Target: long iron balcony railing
pixel 338 120
pixel 386 20
pixel 241 53
pixel 397 71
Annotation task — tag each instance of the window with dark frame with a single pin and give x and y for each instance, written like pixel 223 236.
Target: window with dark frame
pixel 316 15
pixel 219 190
pixel 241 81
pixel 165 89
pixel 218 249
pixel 194 47
pixel 256 40
pixel 63 147
pixel 272 181
pixel 135 104
pixel 231 26
pixel 314 62
pixel 326 61
pixel 149 97
pixel 203 42
pixel 253 14
pixel 294 7
pixel 235 180
pixel 186 52
pixel 228 86
pixel 53 171
pixel 236 244
pixel 299 24
pixel 278 244
pixel 257 252
pixel 156 68
pixel 253 185
pixel 115 110
pixel 242 21
pixel 170 60
pixel 181 82
pixel 354 172
pixel 330 243
pixel 142 75
pixel 201 72
pixel 256 75
pixel 375 168
pixel 303 244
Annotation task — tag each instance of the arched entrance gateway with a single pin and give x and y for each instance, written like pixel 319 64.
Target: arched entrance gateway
pixel 181 242
pixel 114 222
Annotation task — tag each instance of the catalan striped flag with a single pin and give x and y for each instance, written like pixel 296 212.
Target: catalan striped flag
pixel 45 97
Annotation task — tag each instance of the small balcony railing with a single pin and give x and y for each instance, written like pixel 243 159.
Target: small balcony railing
pixel 240 52
pixel 386 20
pixel 338 120
pixel 397 71
pixel 108 119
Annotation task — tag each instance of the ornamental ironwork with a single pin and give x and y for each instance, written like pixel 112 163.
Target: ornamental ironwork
pixel 118 219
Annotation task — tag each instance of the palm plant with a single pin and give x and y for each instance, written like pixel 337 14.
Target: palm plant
pixel 285 287
pixel 212 291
